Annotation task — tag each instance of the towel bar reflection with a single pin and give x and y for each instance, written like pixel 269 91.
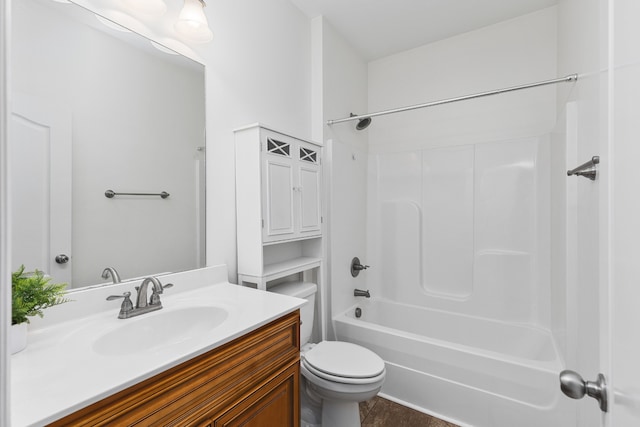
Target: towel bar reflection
pixel 587 169
pixel 110 194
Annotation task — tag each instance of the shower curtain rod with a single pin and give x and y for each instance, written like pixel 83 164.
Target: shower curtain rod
pixel 569 78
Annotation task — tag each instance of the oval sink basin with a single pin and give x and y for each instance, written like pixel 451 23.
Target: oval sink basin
pixel 159 329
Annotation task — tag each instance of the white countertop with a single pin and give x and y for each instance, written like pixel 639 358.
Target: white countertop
pixel 61 372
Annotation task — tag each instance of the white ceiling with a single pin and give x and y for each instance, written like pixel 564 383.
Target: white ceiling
pixel 378 28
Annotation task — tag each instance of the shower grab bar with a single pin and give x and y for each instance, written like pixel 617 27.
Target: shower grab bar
pixel 587 169
pixel 569 78
pixel 110 194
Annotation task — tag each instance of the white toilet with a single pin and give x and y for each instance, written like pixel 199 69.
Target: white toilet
pixel 335 375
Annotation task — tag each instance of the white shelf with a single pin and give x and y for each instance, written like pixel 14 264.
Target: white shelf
pixel 282 269
pixel 290 266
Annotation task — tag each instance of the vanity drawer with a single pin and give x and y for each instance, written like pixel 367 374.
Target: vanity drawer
pixel 207 386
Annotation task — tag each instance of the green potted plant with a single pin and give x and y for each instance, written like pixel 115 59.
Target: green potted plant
pixel 31 293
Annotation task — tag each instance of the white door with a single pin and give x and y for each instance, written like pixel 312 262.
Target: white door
pixel 623 371
pixel 309 190
pixel 615 200
pixel 278 198
pixel 40 173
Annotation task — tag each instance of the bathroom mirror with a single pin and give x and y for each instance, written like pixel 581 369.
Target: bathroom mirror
pixel 97 107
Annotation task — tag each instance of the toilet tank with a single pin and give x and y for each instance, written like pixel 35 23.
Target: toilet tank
pixel 305 290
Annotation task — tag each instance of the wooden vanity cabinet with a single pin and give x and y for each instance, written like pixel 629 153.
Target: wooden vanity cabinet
pixel 250 381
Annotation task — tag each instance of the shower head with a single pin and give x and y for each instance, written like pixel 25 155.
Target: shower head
pixel 362 123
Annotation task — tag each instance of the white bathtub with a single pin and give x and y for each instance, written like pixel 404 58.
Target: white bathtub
pixel 468 370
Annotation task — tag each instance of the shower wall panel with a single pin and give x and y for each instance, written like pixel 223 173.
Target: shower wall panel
pixel 465 228
pixel 447 199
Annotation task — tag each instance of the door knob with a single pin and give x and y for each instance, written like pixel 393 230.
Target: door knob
pixel 572 384
pixel 62 259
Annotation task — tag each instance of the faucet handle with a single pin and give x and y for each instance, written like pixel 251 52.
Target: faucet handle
pixel 155 296
pixel 357 267
pixel 125 295
pixel 127 305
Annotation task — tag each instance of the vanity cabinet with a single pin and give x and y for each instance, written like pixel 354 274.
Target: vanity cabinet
pixel 278 204
pixel 250 381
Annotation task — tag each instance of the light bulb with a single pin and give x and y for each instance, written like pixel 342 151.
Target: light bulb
pixel 192 22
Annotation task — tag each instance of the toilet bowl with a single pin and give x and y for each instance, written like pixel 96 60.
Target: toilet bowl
pixel 335 375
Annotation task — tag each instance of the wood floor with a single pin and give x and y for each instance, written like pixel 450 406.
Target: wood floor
pixel 379 412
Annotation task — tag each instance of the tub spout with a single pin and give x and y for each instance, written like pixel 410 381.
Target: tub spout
pixel 361 293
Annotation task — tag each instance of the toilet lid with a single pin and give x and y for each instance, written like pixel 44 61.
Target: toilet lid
pixel 343 359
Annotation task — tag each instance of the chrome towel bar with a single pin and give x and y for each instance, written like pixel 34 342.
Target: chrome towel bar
pixel 110 194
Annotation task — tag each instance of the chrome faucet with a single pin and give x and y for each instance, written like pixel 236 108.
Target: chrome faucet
pixel 141 298
pixel 127 309
pixel 111 272
pixel 361 293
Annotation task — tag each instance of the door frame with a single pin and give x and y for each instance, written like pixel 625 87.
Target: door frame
pixel 5 256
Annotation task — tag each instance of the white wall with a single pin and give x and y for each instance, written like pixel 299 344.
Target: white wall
pixel 258 69
pixel 484 251
pixel 340 87
pixel 518 51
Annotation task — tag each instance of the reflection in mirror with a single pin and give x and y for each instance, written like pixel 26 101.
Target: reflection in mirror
pixel 96 109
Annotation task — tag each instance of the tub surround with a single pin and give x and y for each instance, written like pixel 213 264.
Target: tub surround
pixel 63 369
pixel 510 371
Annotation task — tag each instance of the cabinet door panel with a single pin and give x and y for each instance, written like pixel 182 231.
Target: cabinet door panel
pixel 278 199
pixel 274 404
pixel 309 200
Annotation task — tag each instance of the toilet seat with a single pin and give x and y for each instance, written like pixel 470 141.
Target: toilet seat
pixel 344 363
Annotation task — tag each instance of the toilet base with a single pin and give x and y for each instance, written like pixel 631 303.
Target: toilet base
pixel 340 413
pixel 310 406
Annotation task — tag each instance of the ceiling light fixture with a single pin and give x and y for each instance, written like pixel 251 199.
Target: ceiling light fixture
pixel 192 22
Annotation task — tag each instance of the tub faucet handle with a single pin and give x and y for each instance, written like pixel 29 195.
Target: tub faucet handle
pixel 356 267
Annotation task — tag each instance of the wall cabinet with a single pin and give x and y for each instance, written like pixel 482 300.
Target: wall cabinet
pixel 278 201
pixel 251 381
pixel 291 177
pixel 278 180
